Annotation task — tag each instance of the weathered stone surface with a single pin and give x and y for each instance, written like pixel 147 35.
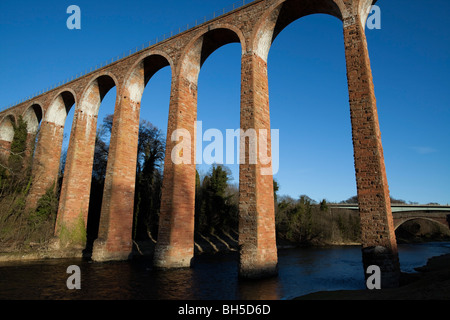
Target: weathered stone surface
pixel 377 225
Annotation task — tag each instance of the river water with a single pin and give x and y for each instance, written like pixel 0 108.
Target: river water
pixel 213 277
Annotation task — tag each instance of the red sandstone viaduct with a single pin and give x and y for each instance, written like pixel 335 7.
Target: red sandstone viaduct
pixel 255 26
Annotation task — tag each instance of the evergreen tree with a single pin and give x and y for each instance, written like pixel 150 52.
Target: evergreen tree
pixel 215 207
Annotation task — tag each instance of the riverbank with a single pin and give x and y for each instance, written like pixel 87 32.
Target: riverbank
pixel 38 252
pixel 302 270
pixel 210 243
pixel 431 282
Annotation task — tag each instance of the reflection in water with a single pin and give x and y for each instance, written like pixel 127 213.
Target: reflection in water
pixel 174 284
pixel 213 277
pixel 266 289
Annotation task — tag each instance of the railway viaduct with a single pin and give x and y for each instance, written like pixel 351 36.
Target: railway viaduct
pixel 254 25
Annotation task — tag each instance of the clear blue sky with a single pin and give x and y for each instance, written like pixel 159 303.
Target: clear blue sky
pixel 307 81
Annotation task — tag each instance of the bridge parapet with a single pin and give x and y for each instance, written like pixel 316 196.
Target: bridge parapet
pixel 396 207
pixel 404 212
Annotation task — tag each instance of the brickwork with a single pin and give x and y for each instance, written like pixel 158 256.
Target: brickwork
pixel 75 190
pixel 255 27
pixel 5 148
pixel 116 220
pixel 175 246
pixel 46 161
pixel 6 134
pixel 256 203
pixel 377 227
pixel 442 218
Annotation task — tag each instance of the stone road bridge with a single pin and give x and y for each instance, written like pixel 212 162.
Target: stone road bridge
pixel 405 212
pixel 254 25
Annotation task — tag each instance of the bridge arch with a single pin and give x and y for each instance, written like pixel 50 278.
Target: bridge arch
pixel 261 48
pixel 119 189
pixel 7 127
pixel 60 106
pixel 95 91
pixel 283 13
pixel 142 71
pixel 33 116
pixel 299 92
pixel 204 44
pixel 6 134
pixel 364 117
pixel 72 217
pixel 46 161
pixel 422 227
pixel 175 246
pixel 399 222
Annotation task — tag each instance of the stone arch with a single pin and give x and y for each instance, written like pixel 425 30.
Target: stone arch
pixel 175 245
pixel 421 227
pixel 94 93
pixel 47 156
pixel 7 128
pixel 60 107
pixel 142 71
pixel 402 221
pixel 118 192
pixel 363 10
pixel 204 44
pixel 283 13
pixel 33 116
pixel 6 134
pixel 76 183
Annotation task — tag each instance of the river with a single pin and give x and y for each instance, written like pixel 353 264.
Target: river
pixel 213 276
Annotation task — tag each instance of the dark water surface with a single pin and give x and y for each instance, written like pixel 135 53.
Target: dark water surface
pixel 213 277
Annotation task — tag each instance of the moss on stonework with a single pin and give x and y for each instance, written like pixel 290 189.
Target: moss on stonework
pixel 75 234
